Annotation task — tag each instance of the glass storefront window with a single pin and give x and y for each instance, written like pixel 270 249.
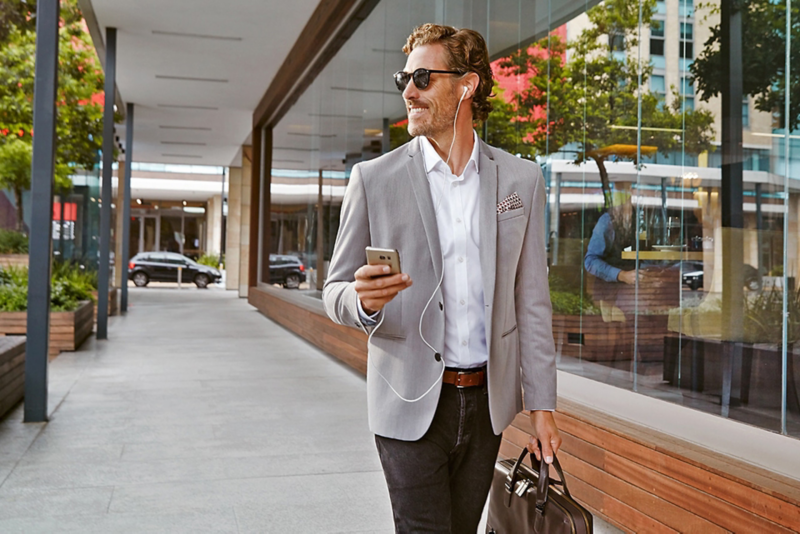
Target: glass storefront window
pixel 646 173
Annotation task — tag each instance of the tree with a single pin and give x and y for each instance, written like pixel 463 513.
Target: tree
pixel 79 119
pixel 587 101
pixel 763 61
pixel 15 172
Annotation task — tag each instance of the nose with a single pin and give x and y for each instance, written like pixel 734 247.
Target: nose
pixel 410 92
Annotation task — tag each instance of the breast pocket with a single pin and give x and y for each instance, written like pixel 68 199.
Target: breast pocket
pixel 510 214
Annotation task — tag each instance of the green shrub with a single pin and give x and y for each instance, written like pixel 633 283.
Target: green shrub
pixel 13 298
pixel 14 276
pixel 211 260
pixel 565 303
pixel 69 288
pixel 76 275
pixel 567 300
pixel 13 242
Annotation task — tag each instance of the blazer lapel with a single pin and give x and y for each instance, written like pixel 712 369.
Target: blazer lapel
pixel 488 229
pixel 422 192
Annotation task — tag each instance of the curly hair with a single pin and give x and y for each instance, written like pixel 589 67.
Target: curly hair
pixel 466 52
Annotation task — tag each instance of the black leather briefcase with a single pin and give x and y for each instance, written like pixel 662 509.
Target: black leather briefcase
pixel 524 500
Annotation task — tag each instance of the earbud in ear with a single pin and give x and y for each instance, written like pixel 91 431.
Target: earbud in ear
pixel 466 88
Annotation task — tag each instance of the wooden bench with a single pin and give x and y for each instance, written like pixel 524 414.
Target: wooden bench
pixel 12 372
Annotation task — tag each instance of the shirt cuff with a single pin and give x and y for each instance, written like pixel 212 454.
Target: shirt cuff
pixel 368 320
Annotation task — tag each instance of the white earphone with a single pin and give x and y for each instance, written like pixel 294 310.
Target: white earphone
pixel 438 285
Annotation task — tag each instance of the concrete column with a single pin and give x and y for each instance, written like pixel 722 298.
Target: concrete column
pixel 213 224
pixel 120 266
pixel 244 212
pixel 233 229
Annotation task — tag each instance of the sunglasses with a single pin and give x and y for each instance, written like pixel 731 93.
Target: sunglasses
pixel 421 77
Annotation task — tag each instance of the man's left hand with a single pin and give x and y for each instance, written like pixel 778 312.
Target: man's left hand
pixel 546 432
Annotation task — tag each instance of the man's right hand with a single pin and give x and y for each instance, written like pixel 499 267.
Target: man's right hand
pixel 629 277
pixel 375 289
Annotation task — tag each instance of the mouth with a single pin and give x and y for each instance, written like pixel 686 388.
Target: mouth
pixel 416 109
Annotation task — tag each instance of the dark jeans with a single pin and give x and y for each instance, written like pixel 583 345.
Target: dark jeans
pixel 440 483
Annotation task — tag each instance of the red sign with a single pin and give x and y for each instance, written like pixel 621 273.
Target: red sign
pixel 70 211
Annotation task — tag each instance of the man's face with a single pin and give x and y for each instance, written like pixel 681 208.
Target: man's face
pixel 432 111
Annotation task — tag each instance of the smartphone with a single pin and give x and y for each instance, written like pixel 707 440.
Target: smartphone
pixel 384 256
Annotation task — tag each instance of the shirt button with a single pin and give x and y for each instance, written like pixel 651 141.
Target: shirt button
pixel 462 302
pixel 464 343
pixel 460 259
pixel 458 220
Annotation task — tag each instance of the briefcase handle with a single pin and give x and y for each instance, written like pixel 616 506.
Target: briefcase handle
pixel 544 481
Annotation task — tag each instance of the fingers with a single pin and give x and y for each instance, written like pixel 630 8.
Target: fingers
pixel 533 448
pixel 367 272
pixel 547 451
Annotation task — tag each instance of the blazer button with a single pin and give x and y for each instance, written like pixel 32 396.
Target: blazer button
pixel 437 357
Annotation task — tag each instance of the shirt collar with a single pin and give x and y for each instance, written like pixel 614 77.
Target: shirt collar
pixel 432 158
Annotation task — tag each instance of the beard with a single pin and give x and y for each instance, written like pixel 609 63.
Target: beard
pixel 437 119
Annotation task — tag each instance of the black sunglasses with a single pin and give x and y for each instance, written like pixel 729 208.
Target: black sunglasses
pixel 421 77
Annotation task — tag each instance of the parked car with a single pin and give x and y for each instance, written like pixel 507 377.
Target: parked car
pixel 693 276
pixel 163 267
pixel 286 270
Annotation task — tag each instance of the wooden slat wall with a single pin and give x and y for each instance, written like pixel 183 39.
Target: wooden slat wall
pixel 12 372
pixel 635 478
pixel 345 343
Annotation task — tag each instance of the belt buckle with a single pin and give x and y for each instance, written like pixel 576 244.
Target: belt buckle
pixel 458 379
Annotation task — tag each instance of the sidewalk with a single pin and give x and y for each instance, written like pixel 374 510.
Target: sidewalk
pixel 198 415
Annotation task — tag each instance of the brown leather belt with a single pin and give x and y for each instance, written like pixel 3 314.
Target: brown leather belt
pixel 465 379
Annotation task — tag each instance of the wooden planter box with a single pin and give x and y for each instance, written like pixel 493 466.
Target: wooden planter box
pixel 68 330
pixel 12 372
pixel 113 302
pixel 590 338
pixel 13 260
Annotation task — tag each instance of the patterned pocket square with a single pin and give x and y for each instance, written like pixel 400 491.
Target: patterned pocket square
pixel 511 202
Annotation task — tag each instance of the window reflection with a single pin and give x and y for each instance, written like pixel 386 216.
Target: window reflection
pixel 637 160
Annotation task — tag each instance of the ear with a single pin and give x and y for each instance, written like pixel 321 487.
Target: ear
pixel 471 81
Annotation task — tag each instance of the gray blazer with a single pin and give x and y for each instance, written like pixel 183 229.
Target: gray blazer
pixel 388 204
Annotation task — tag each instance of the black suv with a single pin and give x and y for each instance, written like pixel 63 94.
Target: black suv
pixel 163 267
pixel 286 270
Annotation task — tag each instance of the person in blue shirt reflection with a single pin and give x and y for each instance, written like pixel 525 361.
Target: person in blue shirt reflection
pixel 614 232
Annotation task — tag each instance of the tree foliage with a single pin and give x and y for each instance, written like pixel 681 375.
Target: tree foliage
pixel 763 58
pixel 583 96
pixel 79 118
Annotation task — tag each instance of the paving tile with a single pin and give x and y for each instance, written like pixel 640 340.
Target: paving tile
pixel 34 503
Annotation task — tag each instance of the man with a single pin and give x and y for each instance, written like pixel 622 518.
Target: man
pixel 449 355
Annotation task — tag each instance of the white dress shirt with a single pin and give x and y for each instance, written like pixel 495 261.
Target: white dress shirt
pixel 457 210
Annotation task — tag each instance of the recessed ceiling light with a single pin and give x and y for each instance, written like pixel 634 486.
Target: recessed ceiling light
pixel 197 35
pixel 182 106
pixel 202 128
pixel 139 201
pixel 190 78
pixel 184 202
pixel 182 143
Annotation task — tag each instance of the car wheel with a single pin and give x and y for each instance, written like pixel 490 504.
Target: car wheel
pixel 292 281
pixel 140 279
pixel 694 285
pixel 201 280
